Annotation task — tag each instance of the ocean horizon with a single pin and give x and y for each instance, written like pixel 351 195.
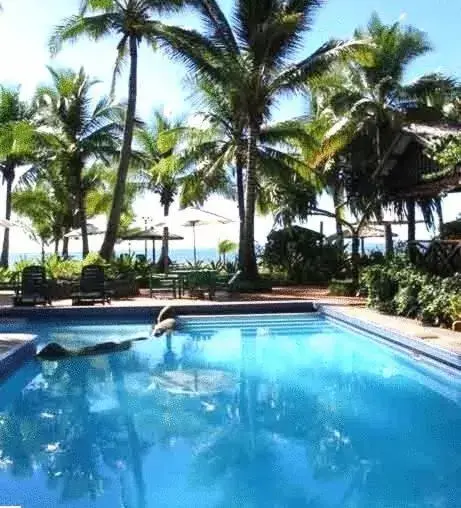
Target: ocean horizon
pixel 205 254
pixel 177 255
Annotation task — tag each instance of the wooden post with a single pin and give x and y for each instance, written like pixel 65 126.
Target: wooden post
pixel 362 244
pixel 411 215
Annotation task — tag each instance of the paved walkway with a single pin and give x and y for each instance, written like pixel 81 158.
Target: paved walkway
pixel 440 337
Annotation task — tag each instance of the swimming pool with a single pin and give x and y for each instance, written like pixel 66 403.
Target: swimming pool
pixel 253 411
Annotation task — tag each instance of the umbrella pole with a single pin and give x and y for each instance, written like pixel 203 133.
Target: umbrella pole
pixel 165 250
pixel 362 241
pixel 195 248
pixel 153 251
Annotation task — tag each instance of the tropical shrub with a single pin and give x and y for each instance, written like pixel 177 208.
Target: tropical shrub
pixel 59 268
pixel 299 253
pixel 342 288
pixel 451 230
pixel 397 287
pixel 455 308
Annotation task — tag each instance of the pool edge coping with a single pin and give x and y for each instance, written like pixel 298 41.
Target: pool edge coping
pixel 14 357
pixel 443 357
pixel 227 308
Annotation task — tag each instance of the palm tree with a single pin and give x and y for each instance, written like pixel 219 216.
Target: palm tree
pixel 45 206
pixel 79 133
pixel 17 143
pixel 168 169
pixel 372 103
pixel 222 142
pixel 252 58
pixel 226 247
pixel 130 21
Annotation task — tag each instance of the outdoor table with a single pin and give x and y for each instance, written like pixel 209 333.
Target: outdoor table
pixel 169 278
pixel 185 277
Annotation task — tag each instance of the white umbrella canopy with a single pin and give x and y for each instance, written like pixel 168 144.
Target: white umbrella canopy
pixel 364 232
pixel 6 224
pixel 192 217
pixel 91 229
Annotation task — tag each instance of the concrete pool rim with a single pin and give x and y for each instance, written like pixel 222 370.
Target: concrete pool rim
pixel 441 357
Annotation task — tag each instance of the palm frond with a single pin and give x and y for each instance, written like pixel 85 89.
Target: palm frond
pixel 93 27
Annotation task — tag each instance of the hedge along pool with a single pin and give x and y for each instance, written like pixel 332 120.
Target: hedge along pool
pixel 268 410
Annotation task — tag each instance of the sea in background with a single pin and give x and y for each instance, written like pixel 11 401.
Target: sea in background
pixel 177 255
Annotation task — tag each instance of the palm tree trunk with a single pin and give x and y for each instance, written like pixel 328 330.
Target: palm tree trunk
pixel 249 266
pixel 355 256
pixel 239 165
pixel 65 247
pixel 339 224
pixel 56 246
pixel 113 223
pixel 389 240
pixel 166 211
pixel 6 232
pixel 82 215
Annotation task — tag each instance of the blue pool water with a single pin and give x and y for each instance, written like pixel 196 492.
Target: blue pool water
pixel 272 411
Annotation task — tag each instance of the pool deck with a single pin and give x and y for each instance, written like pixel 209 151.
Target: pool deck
pixel 286 297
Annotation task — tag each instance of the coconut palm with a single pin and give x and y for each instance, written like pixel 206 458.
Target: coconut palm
pixel 17 143
pixel 226 247
pixel 253 58
pixel 130 21
pixel 221 143
pixel 167 168
pixel 44 205
pixel 78 133
pixel 371 103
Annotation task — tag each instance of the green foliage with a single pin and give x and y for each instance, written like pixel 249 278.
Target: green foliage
pixel 342 288
pixel 226 247
pixel 455 308
pixel 299 253
pixel 64 269
pixel 451 230
pixel 397 287
pixel 448 152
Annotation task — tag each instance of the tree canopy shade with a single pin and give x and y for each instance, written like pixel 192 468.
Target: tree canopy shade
pixel 131 21
pixel 253 58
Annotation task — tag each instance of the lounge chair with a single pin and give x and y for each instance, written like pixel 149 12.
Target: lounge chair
pixel 228 285
pixel 92 287
pixel 34 288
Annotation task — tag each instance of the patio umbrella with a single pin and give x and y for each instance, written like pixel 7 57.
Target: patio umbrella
pixel 6 224
pixel 91 230
pixel 365 232
pixel 149 234
pixel 194 217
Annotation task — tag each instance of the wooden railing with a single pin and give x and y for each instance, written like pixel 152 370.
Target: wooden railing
pixel 440 257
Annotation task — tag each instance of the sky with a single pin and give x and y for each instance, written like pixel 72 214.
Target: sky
pixel 26 25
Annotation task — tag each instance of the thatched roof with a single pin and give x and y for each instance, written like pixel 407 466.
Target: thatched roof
pixel 408 165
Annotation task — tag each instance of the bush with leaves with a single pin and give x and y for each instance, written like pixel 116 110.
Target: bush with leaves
pixel 399 288
pixel 299 253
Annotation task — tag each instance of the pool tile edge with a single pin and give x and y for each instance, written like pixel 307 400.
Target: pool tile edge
pixel 391 336
pixel 17 354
